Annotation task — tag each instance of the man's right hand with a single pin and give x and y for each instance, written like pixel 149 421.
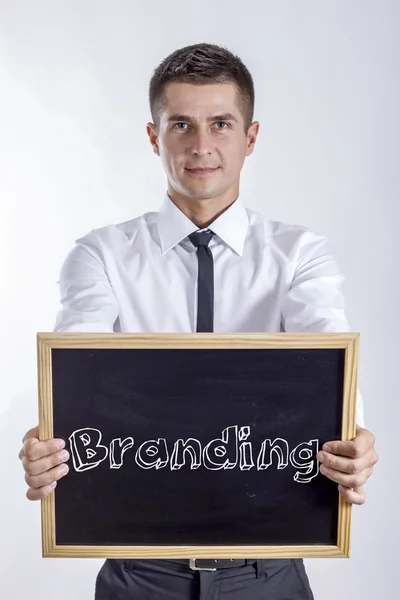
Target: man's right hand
pixel 44 463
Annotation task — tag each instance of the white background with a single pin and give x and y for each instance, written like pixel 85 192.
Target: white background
pixel 74 155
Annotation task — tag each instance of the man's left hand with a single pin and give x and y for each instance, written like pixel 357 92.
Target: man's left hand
pixel 350 464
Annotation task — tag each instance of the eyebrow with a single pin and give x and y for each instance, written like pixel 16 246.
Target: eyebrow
pixel 223 117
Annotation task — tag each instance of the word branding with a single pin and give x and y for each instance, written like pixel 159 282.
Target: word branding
pixel 227 452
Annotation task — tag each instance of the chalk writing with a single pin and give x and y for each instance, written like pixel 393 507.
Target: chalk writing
pixel 232 449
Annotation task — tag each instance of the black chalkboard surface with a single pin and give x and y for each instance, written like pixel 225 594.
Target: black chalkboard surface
pixel 196 445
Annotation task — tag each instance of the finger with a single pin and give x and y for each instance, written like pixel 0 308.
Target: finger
pixel 356 496
pixel 340 448
pixel 347 465
pixel 40 493
pixel 355 448
pixel 42 465
pixel 38 481
pixel 33 449
pixel 349 481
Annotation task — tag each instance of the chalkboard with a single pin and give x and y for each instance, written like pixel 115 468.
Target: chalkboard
pixel 196 446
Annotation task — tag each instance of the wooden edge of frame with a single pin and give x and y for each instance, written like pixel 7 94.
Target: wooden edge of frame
pixel 198 340
pixel 45 433
pixel 350 387
pixel 152 552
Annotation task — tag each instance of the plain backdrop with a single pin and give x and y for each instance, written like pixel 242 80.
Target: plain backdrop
pixel 74 155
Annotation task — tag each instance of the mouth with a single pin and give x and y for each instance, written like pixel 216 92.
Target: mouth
pixel 201 171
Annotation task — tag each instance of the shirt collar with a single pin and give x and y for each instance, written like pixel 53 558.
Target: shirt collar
pixel 174 226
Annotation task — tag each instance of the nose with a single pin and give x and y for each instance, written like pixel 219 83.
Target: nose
pixel 201 143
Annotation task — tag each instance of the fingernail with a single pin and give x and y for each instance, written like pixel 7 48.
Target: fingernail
pixel 53 485
pixel 64 469
pixel 64 455
pixel 320 456
pixel 326 448
pixel 60 444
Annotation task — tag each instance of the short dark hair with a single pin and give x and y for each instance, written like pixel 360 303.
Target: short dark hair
pixel 202 64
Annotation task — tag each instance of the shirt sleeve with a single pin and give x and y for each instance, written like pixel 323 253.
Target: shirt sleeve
pixel 87 299
pixel 315 301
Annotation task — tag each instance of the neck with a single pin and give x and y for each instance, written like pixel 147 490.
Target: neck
pixel 202 212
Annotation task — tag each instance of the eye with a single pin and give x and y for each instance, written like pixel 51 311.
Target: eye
pixel 182 123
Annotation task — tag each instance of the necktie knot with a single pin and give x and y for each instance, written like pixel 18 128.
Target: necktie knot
pixel 201 238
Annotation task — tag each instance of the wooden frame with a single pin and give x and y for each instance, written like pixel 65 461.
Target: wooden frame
pixel 47 341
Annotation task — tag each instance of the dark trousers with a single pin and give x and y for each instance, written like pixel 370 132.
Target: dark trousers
pixel 269 579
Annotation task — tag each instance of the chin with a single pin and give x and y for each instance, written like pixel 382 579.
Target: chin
pixel 203 195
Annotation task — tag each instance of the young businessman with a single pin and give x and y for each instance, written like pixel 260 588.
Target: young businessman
pixel 204 262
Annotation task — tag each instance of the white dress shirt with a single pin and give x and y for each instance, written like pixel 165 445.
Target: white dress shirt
pixel 141 276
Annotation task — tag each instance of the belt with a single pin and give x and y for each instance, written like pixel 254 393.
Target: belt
pixel 212 564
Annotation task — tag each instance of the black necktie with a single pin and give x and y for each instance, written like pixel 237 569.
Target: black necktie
pixel 205 280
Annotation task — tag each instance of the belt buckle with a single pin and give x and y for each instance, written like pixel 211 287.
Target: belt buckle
pixel 192 565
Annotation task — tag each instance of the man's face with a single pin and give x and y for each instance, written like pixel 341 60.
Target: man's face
pixel 202 128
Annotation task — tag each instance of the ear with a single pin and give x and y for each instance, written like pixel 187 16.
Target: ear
pixel 152 133
pixel 252 137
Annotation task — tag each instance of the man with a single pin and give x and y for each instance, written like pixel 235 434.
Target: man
pixel 203 263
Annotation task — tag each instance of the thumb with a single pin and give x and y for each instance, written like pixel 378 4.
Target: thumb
pixel 32 433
